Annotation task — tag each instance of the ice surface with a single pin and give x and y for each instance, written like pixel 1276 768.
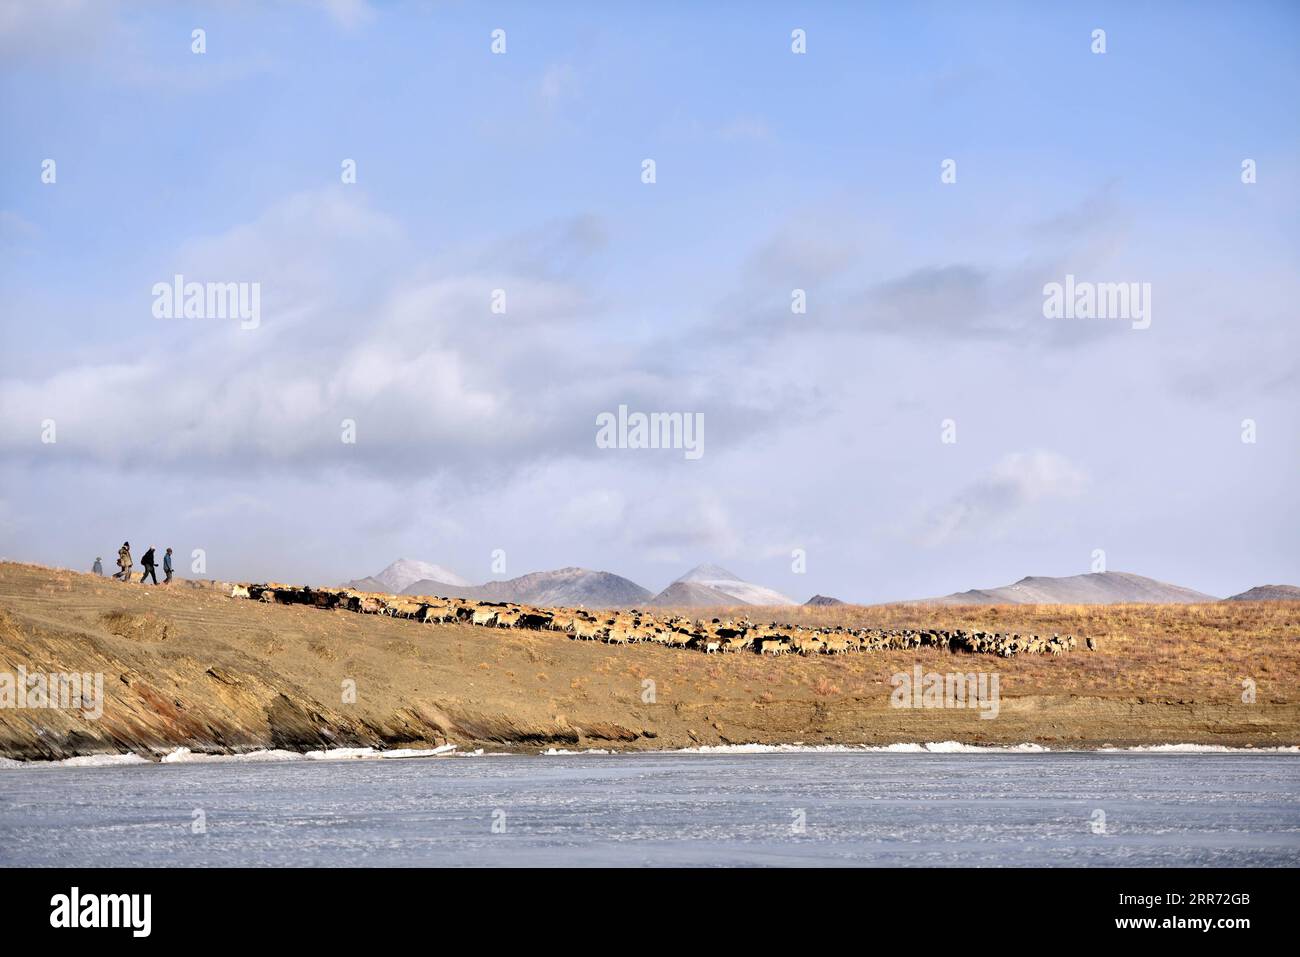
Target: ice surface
pixel 775 806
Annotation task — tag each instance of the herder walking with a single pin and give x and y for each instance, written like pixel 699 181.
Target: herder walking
pixel 167 567
pixel 146 561
pixel 124 562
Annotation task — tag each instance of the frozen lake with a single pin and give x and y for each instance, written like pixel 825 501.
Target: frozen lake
pixel 802 809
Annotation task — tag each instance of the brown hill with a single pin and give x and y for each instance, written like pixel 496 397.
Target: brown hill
pixel 568 587
pixel 191 667
pixel 1098 588
pixel 1268 593
pixel 692 595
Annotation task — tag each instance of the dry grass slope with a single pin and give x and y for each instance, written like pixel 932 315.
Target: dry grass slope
pixel 189 666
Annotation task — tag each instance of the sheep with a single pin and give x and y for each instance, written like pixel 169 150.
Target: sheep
pixel 626 627
pixel 485 617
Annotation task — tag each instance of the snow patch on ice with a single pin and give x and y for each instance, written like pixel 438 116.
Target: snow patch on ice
pixel 101 761
pixel 956 747
pixel 417 752
pixel 1199 749
pixel 931 747
pixel 187 756
pixel 352 754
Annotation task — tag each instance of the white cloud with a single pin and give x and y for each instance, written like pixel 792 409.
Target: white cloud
pixel 349 13
pixel 745 128
pixel 686 527
pixel 353 327
pixel 14 229
pixel 559 82
pixel 1002 496
pixel 69 29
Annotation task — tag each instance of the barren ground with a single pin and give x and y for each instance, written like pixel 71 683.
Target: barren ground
pixel 188 666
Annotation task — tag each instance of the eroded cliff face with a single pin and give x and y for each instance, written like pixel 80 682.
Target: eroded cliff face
pixel 188 666
pixel 156 699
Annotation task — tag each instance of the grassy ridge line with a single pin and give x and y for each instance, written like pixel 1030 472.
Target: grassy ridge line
pixel 190 667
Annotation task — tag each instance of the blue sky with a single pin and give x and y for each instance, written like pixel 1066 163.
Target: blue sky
pixel 775 171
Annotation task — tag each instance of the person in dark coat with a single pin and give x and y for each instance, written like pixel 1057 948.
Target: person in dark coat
pixel 99 565
pixel 146 560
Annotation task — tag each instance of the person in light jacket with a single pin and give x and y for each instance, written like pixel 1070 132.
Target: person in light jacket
pixel 167 567
pixel 124 562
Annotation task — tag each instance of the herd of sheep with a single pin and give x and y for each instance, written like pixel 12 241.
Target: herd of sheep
pixel 626 627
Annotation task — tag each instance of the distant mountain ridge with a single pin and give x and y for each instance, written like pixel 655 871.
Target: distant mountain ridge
pixel 703 586
pixel 711 586
pixel 1268 593
pixel 691 595
pixel 719 580
pixel 1097 588
pixel 404 572
pixel 563 587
